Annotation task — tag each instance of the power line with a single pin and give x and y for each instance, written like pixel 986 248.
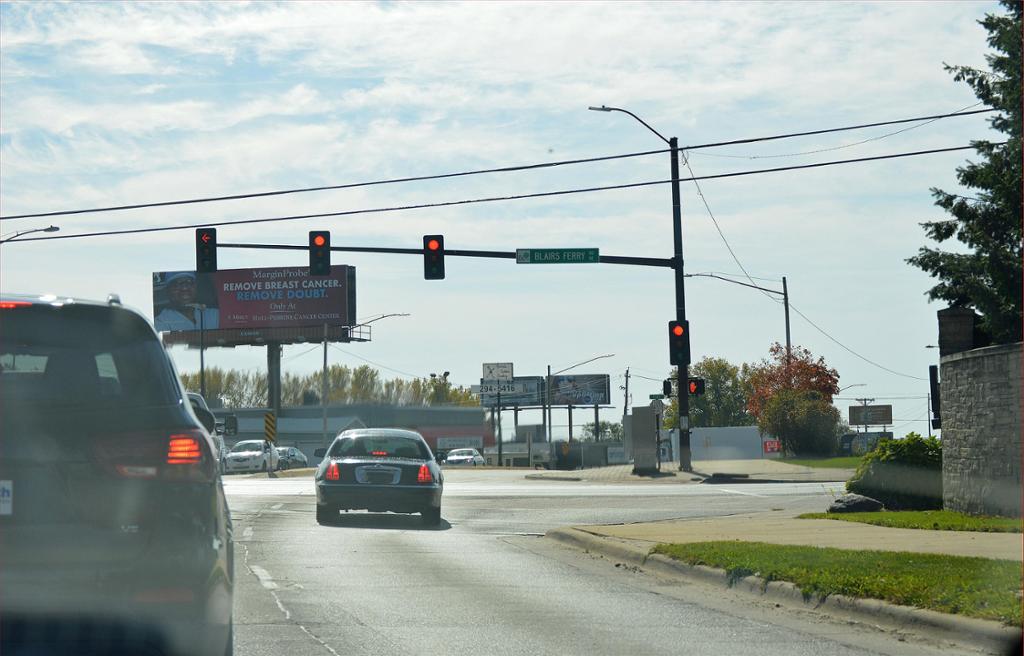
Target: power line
pixel 376 364
pixel 544 194
pixel 504 169
pixel 352 185
pixel 849 145
pixel 848 349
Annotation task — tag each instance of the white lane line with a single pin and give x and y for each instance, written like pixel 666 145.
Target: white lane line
pixel 265 579
pixel 247 533
pixel 276 506
pixel 746 494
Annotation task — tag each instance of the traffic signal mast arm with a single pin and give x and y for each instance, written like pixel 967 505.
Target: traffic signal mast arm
pixel 503 255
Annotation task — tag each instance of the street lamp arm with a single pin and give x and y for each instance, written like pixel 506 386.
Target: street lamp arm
pixel 603 108
pixel 397 314
pixel 580 364
pixel 52 228
pixel 735 282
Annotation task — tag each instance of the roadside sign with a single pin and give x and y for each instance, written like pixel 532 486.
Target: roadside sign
pixel 526 391
pixel 557 256
pixel 269 427
pixel 657 397
pixel 772 446
pixel 658 406
pixel 497 371
pixel 866 415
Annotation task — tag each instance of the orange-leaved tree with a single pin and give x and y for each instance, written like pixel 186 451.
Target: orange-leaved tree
pixel 800 371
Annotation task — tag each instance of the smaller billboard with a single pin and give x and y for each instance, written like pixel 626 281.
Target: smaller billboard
pixel 584 389
pixel 867 415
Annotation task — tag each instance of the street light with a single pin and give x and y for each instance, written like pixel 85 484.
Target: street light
pixel 52 228
pixel 385 316
pixel 680 282
pixel 849 386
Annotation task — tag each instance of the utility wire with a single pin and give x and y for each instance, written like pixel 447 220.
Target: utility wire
pixel 544 194
pixel 504 169
pixel 376 364
pixel 849 145
pixel 848 349
pixel 752 283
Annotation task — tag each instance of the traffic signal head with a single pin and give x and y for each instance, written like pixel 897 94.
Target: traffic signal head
pixel 319 253
pixel 433 257
pixel 696 386
pixel 666 387
pixel 206 250
pixel 679 343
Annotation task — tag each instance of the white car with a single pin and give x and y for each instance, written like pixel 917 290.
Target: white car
pixel 251 456
pixel 464 457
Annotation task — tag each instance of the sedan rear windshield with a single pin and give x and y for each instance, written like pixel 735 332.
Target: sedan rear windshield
pixel 82 355
pixel 381 446
pixel 247 446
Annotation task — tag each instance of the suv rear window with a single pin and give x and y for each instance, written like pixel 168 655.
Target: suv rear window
pixel 382 446
pixel 82 355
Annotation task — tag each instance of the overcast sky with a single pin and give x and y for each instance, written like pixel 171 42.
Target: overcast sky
pixel 110 104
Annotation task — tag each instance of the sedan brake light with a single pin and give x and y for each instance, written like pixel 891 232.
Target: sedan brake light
pixel 183 450
pixel 424 476
pixel 332 472
pixel 178 457
pixel 10 305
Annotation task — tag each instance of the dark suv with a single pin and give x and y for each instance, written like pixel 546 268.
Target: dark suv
pixel 114 529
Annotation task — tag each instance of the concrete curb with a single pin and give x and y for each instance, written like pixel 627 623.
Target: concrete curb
pixel 542 477
pixel 988 634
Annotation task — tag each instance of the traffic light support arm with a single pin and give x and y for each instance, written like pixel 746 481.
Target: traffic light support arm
pixel 503 255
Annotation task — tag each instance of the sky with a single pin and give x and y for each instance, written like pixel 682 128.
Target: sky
pixel 117 103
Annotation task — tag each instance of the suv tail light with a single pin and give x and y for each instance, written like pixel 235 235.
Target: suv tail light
pixel 424 477
pixel 177 457
pixel 332 472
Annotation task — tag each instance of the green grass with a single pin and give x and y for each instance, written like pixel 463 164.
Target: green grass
pixel 841 462
pixel 974 587
pixel 938 520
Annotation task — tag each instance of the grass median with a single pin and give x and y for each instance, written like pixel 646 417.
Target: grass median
pixel 842 462
pixel 974 587
pixel 936 520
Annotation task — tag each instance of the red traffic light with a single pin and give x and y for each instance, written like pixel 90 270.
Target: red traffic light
pixel 205 237
pixel 678 330
pixel 433 245
pixel 319 240
pixel 693 387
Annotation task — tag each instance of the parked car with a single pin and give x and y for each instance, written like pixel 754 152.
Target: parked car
pixel 116 531
pixel 289 457
pixel 251 456
pixel 464 457
pixel 380 470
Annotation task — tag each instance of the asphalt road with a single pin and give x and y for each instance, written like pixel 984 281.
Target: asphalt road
pixel 485 582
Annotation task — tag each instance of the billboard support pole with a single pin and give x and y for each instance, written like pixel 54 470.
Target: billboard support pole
pixel 499 427
pixel 570 422
pixel 323 387
pixel 202 351
pixel 274 376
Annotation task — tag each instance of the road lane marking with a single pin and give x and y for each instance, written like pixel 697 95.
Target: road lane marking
pixel 746 494
pixel 276 506
pixel 265 579
pixel 247 533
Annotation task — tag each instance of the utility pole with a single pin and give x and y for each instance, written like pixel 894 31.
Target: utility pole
pixel 499 426
pixel 625 401
pixel 928 414
pixel 323 388
pixel 789 345
pixel 865 403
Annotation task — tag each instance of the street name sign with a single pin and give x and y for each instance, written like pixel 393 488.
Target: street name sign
pixel 557 256
pixel 658 397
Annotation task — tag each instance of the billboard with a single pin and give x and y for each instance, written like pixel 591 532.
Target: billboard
pixel 234 299
pixel 865 415
pixel 528 392
pixel 585 389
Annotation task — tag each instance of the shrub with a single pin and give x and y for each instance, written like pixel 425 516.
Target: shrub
pixel 903 474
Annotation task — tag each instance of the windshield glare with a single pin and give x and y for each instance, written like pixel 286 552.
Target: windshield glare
pixel 247 446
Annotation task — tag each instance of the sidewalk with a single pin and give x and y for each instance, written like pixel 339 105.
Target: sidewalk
pixel 753 471
pixel 815 532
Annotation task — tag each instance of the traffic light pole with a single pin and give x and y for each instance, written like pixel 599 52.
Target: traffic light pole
pixel 685 463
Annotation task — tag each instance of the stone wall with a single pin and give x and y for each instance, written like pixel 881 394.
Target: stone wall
pixel 981 430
